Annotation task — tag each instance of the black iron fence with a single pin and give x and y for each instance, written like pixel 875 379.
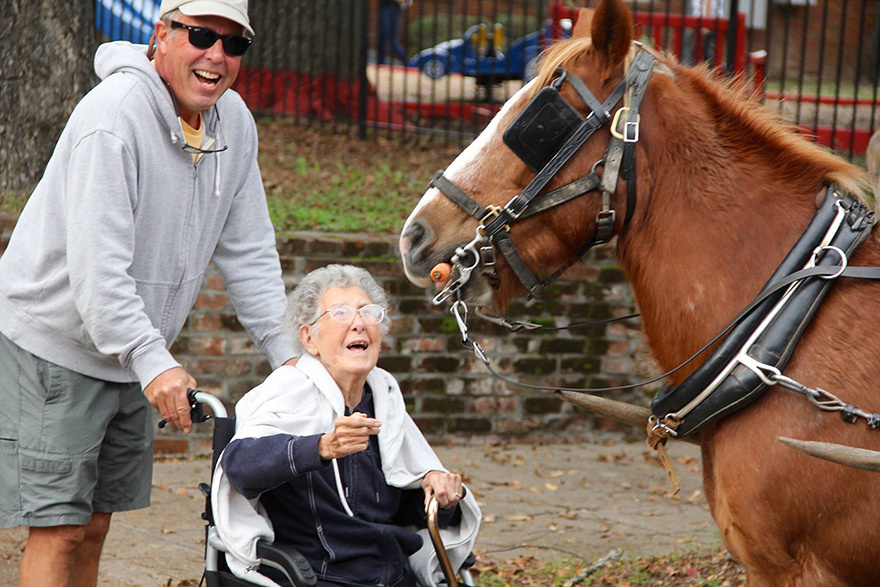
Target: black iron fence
pixel 440 69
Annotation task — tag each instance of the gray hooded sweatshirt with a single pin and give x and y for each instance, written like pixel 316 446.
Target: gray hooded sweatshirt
pixel 108 255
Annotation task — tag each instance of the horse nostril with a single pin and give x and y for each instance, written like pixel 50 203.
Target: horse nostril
pixel 413 239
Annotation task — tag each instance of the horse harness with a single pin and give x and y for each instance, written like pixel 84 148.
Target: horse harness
pixel 760 339
pixel 545 135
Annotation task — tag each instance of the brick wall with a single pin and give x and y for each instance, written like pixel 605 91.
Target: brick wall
pixel 448 391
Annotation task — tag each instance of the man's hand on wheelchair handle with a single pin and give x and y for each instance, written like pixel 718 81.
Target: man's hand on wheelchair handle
pixel 446 486
pixel 167 393
pixel 350 434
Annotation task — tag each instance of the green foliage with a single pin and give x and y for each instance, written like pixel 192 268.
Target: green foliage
pixel 491 581
pixel 448 326
pixel 693 567
pixel 530 571
pixel 343 198
pixel 12 202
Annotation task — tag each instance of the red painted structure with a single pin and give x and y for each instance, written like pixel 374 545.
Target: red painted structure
pixel 653 25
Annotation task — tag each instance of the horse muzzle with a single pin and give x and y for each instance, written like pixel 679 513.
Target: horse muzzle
pixel 448 267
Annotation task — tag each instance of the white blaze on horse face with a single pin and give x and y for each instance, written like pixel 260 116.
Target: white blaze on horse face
pixel 462 167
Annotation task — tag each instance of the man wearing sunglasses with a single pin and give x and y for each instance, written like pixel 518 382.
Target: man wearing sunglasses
pixel 154 176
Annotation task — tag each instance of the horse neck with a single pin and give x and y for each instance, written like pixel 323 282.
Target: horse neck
pixel 715 218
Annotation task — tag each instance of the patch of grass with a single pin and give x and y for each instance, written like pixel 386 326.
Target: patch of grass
pixel 343 198
pixel 699 567
pixel 12 203
pixel 527 570
pixel 322 181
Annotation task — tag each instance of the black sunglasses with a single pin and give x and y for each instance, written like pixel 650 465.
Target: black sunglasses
pixel 204 38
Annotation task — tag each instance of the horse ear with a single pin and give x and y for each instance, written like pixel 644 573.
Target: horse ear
pixel 583 23
pixel 612 31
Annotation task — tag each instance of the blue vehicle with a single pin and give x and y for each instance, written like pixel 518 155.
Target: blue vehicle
pixel 481 54
pixel 126 20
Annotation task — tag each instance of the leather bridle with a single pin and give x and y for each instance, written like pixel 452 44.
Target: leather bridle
pixel 619 161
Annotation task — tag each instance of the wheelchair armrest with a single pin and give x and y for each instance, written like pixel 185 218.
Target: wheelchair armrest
pixel 286 559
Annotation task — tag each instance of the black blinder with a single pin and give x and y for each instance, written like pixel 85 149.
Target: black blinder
pixel 542 128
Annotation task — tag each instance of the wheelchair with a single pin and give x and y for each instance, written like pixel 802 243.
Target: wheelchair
pixel 280 557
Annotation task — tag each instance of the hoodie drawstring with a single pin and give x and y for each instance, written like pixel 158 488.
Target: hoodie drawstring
pixel 340 490
pixel 217 176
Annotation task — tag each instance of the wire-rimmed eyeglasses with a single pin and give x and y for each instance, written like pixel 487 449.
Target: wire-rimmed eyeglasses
pixel 344 314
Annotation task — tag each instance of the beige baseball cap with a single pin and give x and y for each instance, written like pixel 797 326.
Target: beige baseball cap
pixel 234 10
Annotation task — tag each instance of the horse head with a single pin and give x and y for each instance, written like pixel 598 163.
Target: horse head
pixel 490 173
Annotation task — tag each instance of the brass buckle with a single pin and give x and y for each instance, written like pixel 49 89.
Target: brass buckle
pixel 492 212
pixel 630 132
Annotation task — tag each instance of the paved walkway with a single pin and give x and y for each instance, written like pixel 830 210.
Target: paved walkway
pixel 550 500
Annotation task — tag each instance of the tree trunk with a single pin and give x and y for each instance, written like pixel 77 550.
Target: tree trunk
pixel 48 48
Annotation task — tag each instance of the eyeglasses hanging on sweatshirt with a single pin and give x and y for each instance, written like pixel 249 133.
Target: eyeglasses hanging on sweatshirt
pixel 191 148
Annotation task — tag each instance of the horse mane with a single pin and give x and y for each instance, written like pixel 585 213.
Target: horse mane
pixel 749 119
pixel 559 55
pixel 734 99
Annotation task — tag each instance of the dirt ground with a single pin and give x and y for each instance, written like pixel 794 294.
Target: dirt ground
pixel 541 502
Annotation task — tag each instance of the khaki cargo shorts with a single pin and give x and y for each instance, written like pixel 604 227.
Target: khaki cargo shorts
pixel 70 445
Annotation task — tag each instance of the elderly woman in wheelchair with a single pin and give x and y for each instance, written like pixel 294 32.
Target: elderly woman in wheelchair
pixel 326 459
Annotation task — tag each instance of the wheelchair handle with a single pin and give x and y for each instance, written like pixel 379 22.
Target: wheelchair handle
pixel 196 399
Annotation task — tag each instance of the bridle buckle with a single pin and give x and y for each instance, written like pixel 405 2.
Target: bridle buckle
pixel 630 132
pixel 492 212
pixel 605 225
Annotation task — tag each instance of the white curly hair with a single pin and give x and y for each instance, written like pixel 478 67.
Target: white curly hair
pixel 303 303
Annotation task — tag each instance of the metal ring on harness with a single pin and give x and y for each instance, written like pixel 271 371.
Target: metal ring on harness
pixel 464 271
pixel 843 260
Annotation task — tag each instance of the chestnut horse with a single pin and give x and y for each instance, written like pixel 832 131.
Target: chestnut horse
pixel 723 190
